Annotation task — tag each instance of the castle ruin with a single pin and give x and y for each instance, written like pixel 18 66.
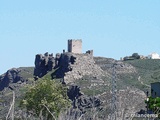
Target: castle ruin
pixel 69 65
pixel 75 46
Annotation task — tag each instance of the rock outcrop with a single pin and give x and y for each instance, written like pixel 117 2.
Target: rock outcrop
pixel 11 76
pixel 43 64
pixel 63 65
pixel 81 101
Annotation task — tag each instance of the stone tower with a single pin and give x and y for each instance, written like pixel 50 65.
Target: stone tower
pixel 75 46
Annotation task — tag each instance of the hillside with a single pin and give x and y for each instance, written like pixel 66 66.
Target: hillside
pixel 148 70
pixel 138 73
pixel 133 80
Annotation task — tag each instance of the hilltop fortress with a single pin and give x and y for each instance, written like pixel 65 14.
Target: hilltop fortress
pixel 88 80
pixel 69 65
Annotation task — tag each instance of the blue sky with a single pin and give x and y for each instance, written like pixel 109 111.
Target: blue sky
pixel 112 28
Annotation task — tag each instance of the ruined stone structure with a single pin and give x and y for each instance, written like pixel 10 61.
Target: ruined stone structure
pixel 84 64
pixel 75 46
pixel 69 65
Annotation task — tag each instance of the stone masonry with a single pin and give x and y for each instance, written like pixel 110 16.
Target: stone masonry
pixel 84 65
pixel 75 46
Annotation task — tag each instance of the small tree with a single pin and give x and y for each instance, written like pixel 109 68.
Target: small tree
pixel 46 99
pixel 154 105
pixel 136 56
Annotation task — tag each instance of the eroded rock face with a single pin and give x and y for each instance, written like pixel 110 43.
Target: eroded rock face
pixel 43 64
pixel 74 92
pixel 11 76
pixel 63 65
pixel 81 101
pixel 88 102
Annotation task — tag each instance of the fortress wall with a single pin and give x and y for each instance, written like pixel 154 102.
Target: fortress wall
pixel 84 65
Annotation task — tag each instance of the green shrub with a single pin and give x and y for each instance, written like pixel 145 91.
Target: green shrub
pixel 46 99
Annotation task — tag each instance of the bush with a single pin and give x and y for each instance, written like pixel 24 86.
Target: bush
pixel 136 56
pixel 46 99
